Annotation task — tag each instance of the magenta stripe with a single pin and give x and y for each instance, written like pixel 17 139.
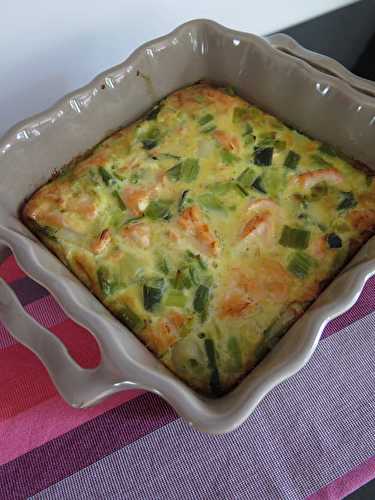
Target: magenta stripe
pixel 46 311
pixel 347 483
pixel 83 446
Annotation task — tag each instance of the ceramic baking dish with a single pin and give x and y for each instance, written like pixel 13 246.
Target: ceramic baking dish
pixel 310 92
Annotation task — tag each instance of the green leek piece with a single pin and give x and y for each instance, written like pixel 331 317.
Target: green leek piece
pixel 294 238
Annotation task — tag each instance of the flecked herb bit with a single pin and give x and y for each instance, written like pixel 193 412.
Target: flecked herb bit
pixel 183 201
pixel 201 299
pixel 46 231
pixel 292 159
pixel 130 318
pixel 106 283
pixel 153 113
pixel 153 293
pixel 151 138
pixel 186 170
pixel 212 365
pixel 159 209
pixel 106 176
pixel 347 201
pixel 258 185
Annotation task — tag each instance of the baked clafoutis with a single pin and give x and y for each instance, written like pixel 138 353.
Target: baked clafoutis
pixel 207 228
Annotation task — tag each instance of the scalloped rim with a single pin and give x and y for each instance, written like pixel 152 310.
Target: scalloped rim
pixel 213 416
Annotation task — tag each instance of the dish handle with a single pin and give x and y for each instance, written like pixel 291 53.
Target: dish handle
pixel 80 387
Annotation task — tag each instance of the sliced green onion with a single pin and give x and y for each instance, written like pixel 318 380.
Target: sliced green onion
pixel 334 241
pixel 210 202
pixel 318 160
pixel 194 275
pixel 205 119
pixel 201 299
pixel 183 202
pixel 196 258
pixel 169 156
pixel 190 169
pixel 246 178
pixel 274 180
pixel 258 185
pixel 159 209
pixel 131 319
pixel 266 140
pixel 235 352
pixel 263 157
pixel 248 130
pixel 106 177
pixel 152 293
pixel 248 134
pixel 220 187
pixel 131 220
pixel 46 231
pixel 294 238
pixel 182 279
pixel 240 114
pixel 151 138
pixel 174 173
pixel 211 356
pixel 241 190
pixel 106 283
pixel 163 265
pixel 348 201
pixel 119 200
pixel 292 159
pixel 175 298
pixel 300 264
pixel 208 128
pixel 228 157
pixel 187 170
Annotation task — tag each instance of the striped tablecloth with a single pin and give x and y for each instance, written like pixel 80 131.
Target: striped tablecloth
pixel 313 436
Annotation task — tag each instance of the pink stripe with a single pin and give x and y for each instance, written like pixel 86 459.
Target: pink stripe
pixel 347 483
pixel 46 311
pixel 48 420
pixel 10 271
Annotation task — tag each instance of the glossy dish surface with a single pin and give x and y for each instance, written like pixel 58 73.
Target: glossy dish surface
pixel 207 228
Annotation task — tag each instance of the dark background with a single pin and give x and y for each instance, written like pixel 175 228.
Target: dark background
pixel 347 35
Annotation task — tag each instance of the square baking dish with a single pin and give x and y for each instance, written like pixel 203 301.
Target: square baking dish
pixel 307 91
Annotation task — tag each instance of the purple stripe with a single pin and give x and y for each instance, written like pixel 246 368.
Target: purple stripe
pixel 309 430
pixel 348 483
pixel 364 306
pixel 28 290
pixel 83 446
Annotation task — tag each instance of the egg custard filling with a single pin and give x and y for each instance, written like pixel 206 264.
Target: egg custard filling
pixel 207 228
